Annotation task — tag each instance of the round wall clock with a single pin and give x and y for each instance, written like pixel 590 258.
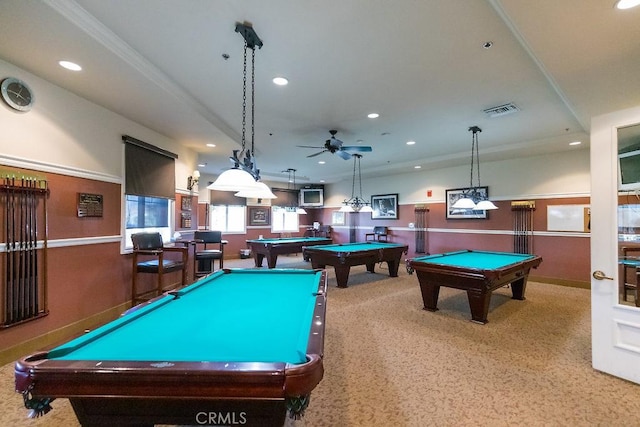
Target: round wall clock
pixel 16 94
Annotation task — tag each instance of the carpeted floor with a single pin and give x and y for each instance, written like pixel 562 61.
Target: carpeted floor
pixel 390 363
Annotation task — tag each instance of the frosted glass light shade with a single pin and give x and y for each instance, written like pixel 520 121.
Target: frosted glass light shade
pixel 485 205
pixel 366 208
pixel 261 191
pixel 346 208
pixel 234 180
pixel 301 211
pixel 464 203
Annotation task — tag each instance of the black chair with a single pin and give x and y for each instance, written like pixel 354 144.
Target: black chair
pixel 204 254
pixel 150 256
pixel 380 234
pixel 324 231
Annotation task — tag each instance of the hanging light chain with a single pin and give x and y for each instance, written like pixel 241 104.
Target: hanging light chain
pixel 244 98
pixel 253 100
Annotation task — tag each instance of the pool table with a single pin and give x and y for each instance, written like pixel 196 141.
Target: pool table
pixel 477 272
pixel 343 256
pixel 271 248
pixel 238 347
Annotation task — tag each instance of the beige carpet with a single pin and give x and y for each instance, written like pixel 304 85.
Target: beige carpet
pixel 390 363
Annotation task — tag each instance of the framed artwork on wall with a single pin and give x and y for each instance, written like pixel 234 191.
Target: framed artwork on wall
pixel 385 206
pixel 453 195
pixel 259 216
pixel 337 218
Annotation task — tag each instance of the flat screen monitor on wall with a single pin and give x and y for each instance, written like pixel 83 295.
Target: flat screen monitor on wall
pixel 311 197
pixel 629 171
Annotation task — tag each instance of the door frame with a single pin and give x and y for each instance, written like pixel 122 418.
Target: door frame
pixel 615 328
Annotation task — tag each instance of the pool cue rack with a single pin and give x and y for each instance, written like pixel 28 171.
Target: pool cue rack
pixel 523 226
pixel 422 238
pixel 24 288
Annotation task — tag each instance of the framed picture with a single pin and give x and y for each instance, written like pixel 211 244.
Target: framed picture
pixel 186 203
pixel 454 195
pixel 259 216
pixel 385 206
pixel 337 218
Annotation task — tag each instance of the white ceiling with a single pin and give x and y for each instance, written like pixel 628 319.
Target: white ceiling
pixel 420 64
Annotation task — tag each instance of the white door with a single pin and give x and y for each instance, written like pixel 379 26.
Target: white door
pixel 615 324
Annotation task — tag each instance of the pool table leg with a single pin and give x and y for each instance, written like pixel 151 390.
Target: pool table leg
pixel 430 293
pixel 518 287
pixel 271 261
pixel 479 304
pixel 371 267
pixel 342 275
pixel 258 259
pixel 393 267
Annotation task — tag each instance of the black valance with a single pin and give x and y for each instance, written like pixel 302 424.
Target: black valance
pixel 149 170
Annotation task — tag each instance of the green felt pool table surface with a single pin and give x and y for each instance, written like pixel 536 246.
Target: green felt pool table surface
pixel 482 260
pixel 219 313
pixel 357 247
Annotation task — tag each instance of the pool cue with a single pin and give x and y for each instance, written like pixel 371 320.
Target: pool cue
pixel 34 252
pixel 8 272
pixel 11 238
pixel 21 249
pixel 29 255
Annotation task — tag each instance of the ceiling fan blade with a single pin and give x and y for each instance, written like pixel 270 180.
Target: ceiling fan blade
pixel 308 146
pixel 358 148
pixel 343 154
pixel 317 154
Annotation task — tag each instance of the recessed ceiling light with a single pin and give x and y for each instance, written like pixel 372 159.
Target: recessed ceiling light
pixel 280 81
pixel 322 180
pixel 627 4
pixel 575 143
pixel 70 65
pixel 211 145
pixel 488 45
pixel 411 142
pixel 201 165
pixel 417 167
pixel 373 115
pixel 321 162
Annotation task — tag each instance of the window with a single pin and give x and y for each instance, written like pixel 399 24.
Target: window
pixel 228 218
pixel 145 214
pixel 149 190
pixel 284 220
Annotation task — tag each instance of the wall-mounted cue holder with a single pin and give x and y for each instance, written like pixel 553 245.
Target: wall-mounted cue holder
pixel 23 290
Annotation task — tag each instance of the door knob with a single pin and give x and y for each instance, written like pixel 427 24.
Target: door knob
pixel 599 275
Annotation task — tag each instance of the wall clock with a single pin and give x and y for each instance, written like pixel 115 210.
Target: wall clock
pixel 16 94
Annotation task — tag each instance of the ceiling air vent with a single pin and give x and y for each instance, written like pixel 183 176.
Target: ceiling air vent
pixel 501 110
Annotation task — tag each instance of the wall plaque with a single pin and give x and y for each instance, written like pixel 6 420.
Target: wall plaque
pixel 90 205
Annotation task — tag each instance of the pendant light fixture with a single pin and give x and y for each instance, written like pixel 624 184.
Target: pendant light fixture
pixel 292 180
pixel 356 203
pixel 472 197
pixel 244 177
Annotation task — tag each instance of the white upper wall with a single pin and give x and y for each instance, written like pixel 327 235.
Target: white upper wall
pixel 559 175
pixel 66 131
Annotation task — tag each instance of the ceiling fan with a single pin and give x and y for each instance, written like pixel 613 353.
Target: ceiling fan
pixel 335 146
